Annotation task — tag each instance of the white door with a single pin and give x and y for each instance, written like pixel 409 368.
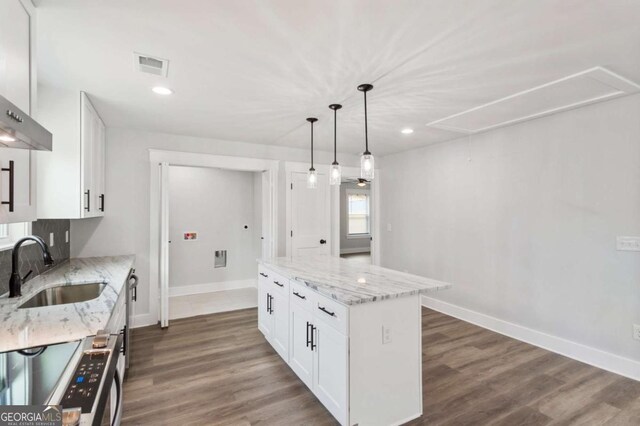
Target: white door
pixel 15 54
pixel 310 216
pixel 300 353
pixel 98 165
pixel 164 245
pixel 264 317
pixel 330 383
pixel 87 135
pixel 280 332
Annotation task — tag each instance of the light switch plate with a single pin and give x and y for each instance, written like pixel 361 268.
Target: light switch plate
pixel 636 331
pixel 628 243
pixel 66 236
pixel 386 335
pixel 51 239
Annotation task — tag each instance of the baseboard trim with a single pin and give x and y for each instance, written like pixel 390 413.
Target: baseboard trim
pixel 212 287
pixel 355 250
pixel 143 320
pixel 587 354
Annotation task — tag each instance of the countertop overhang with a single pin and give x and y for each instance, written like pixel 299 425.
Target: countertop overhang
pixel 33 327
pixel 350 282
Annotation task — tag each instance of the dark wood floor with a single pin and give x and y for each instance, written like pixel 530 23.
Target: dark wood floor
pixel 218 370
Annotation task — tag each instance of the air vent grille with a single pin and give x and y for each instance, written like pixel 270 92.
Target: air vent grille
pixel 151 64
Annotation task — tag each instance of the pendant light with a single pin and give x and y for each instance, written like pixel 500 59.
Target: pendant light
pixel 335 174
pixel 312 176
pixel 366 161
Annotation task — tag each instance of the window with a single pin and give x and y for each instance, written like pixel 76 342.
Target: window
pixel 10 233
pixel 358 214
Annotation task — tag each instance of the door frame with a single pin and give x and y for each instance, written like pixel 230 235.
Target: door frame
pixel 158 211
pixel 334 196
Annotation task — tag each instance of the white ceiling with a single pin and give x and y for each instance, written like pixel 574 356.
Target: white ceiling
pixel 253 71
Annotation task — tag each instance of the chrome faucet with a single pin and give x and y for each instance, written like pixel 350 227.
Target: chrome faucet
pixel 15 283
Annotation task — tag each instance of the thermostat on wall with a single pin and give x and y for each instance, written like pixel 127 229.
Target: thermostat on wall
pixel 190 236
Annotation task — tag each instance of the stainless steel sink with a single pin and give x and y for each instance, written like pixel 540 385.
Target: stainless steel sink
pixel 63 294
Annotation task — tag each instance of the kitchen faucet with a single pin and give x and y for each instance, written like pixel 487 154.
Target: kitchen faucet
pixel 16 281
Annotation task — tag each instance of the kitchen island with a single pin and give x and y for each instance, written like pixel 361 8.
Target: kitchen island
pixel 350 331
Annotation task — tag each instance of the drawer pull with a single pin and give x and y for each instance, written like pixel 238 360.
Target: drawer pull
pixel 278 284
pixel 264 275
pixel 295 293
pixel 322 308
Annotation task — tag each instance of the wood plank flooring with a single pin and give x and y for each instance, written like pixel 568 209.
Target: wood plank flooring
pixel 219 370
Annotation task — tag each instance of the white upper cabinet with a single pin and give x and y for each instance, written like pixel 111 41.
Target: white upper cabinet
pixel 17 84
pixel 71 178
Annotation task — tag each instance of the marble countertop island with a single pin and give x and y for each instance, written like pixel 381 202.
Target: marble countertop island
pixel 351 282
pixel 32 327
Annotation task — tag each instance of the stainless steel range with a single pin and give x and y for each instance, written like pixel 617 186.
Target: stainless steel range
pixel 84 377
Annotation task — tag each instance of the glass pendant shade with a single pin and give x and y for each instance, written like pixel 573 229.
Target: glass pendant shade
pixel 312 179
pixel 366 166
pixel 335 174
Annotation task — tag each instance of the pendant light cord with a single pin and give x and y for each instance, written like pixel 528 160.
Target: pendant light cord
pixel 335 135
pixel 312 144
pixel 366 130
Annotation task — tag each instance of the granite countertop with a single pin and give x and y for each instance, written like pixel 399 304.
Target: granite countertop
pixel 351 282
pixel 32 327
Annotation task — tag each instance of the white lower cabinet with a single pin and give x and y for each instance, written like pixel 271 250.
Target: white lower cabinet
pixel 330 367
pixel 314 349
pixel 300 354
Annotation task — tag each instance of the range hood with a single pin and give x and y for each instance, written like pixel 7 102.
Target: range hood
pixel 18 130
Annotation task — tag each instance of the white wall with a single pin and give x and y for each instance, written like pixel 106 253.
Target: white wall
pixel 217 204
pixel 350 245
pixel 125 227
pixel 523 221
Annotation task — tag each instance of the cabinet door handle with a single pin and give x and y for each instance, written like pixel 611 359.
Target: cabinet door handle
pixel 313 338
pixel 123 348
pixel 278 284
pixel 295 293
pixel 323 241
pixel 268 303
pixel 11 170
pixel 308 339
pixel 271 304
pixel 101 202
pixel 88 194
pixel 323 309
pixel 264 275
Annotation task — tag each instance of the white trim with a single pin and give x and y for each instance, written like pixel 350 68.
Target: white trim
pixel 185 290
pixel 587 354
pixel 192 159
pixel 144 320
pixel 359 236
pixel 362 250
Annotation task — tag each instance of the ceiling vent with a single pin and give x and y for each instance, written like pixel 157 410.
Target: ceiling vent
pixel 577 90
pixel 151 64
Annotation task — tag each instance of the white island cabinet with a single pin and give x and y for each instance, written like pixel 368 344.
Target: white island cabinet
pixel 353 334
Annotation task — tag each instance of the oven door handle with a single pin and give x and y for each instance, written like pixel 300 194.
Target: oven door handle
pixel 117 417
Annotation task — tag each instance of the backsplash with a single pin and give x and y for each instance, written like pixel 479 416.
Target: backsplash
pixel 31 255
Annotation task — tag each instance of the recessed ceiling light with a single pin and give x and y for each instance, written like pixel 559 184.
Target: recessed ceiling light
pixel 407 131
pixel 7 138
pixel 162 90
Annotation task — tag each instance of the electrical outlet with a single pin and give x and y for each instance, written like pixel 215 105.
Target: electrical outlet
pixel 628 243
pixel 51 241
pixel 66 236
pixel 386 335
pixel 636 331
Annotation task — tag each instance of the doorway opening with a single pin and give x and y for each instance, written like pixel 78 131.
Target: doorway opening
pixel 211 217
pixel 355 220
pixel 215 231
